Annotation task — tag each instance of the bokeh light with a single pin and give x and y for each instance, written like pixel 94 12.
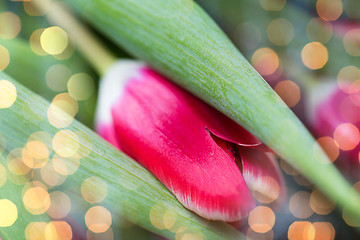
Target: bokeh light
pixel 60 205
pixel 35 42
pixel 301 231
pixel 347 135
pixel 329 10
pixel 108 235
pixel 289 92
pixel 320 204
pixel 98 219
pixel 8 94
pixel 62 110
pixel 272 5
pixel 351 8
pixel 8 213
pixel 2 175
pixel 156 216
pixel 57 77
pixel 15 162
pixel 81 86
pixel 319 30
pixel 36 200
pixel 57 230
pixel 32 10
pixel 93 189
pixel 330 146
pixel 265 61
pixel 9 25
pixel 352 42
pixel 66 143
pixel 50 176
pixel 65 166
pixel 346 76
pixel 248 35
pixel 299 205
pixel 324 231
pixel 261 219
pixel 35 231
pixel 314 55
pixel 4 58
pixel 35 154
pixel 280 31
pixel 54 40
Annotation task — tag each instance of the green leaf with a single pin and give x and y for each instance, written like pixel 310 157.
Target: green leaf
pixel 177 38
pixel 132 192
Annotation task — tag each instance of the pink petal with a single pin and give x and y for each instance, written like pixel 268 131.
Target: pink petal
pixel 107 132
pixel 262 174
pixel 156 124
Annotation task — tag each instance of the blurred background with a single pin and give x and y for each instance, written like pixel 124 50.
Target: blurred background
pixel 307 50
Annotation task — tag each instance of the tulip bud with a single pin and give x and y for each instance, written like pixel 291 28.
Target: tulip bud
pixel 210 163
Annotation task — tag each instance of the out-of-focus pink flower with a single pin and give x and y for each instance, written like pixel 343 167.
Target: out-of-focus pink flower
pixel 206 160
pixel 338 116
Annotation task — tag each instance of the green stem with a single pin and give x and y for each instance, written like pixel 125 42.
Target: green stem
pixel 89 45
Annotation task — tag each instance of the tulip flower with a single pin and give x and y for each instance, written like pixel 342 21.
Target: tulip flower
pixel 210 163
pixel 338 116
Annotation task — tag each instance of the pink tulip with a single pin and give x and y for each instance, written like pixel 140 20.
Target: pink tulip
pixel 338 116
pixel 206 160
